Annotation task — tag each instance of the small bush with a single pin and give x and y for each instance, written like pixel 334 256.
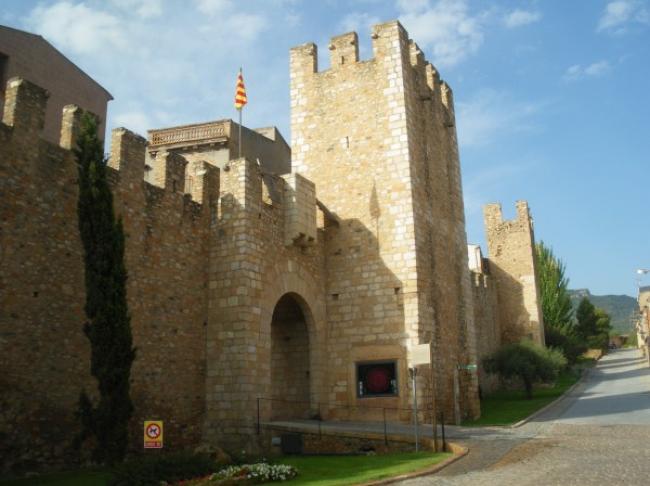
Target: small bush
pixel 565 339
pixel 152 470
pixel 527 361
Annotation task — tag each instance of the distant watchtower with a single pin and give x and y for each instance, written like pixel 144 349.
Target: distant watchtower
pixel 378 138
pixel 511 246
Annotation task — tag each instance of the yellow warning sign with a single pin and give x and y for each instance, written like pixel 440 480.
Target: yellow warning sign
pixel 153 434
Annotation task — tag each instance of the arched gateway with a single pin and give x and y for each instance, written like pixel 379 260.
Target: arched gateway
pixel 290 367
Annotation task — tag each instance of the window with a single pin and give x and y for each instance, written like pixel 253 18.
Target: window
pixel 4 61
pixel 377 379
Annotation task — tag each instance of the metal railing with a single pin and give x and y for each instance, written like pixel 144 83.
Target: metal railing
pixel 313 411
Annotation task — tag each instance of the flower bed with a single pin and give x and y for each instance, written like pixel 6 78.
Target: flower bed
pixel 246 474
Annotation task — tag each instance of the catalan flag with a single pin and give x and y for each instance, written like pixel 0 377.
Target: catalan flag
pixel 240 92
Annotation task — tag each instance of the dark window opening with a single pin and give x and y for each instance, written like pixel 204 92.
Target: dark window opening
pixel 377 379
pixel 4 61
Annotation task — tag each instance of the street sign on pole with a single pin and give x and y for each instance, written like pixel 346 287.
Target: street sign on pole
pixel 469 367
pixel 420 354
pixel 414 372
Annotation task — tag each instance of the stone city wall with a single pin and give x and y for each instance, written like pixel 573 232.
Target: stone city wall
pixel 486 319
pixel 44 353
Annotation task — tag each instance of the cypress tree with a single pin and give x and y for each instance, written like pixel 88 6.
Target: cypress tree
pixel 556 303
pixel 107 325
pixel 559 327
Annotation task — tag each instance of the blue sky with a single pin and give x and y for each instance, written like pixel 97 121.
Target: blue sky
pixel 551 96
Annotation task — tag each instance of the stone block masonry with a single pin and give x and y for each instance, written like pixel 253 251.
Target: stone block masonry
pixel 511 248
pixel 43 351
pixel 254 289
pixel 378 139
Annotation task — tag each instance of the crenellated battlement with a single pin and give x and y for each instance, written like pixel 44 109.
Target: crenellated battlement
pixel 392 50
pixel 344 50
pixel 494 222
pixel 23 119
pixel 145 178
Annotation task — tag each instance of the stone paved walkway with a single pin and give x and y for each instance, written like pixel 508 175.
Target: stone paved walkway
pixel 600 434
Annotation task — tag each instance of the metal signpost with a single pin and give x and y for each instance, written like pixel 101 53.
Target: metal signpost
pixel 420 355
pixel 414 372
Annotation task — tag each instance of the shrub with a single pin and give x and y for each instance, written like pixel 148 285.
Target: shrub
pixel 152 470
pixel 565 339
pixel 526 361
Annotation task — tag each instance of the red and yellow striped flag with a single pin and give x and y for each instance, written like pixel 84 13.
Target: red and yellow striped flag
pixel 240 92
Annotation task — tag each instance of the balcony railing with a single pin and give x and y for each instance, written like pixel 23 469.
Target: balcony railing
pixel 190 133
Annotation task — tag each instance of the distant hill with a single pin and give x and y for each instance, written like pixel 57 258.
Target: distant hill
pixel 621 308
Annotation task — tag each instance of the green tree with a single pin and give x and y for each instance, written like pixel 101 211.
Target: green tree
pixel 108 325
pixel 526 361
pixel 600 340
pixel 557 310
pixel 565 339
pixel 594 325
pixel 587 319
pixel 556 303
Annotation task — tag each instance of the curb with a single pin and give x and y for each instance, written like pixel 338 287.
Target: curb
pixel 459 453
pixel 584 374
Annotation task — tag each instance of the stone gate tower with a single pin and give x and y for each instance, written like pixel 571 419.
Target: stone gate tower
pixel 378 139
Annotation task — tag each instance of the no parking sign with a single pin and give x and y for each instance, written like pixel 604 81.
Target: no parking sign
pixel 153 434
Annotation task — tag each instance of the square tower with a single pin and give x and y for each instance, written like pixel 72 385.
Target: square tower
pixel 378 139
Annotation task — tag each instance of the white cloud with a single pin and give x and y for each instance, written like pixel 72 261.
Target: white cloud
pixel 518 18
pixel 445 26
pixel 142 8
pixel 356 21
pixel 597 68
pixel 77 28
pixel 169 68
pixel 212 7
pixel 412 6
pixel 620 14
pixel 481 184
pixel 136 121
pixel 490 115
pixel 577 71
pixel 243 26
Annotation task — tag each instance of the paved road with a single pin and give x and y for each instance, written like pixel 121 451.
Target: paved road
pixel 599 434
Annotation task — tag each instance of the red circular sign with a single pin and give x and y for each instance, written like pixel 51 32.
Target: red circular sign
pixel 378 380
pixel 153 431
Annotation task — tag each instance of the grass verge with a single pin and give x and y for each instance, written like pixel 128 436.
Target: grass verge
pixel 312 470
pixel 507 407
pixel 340 470
pixel 73 478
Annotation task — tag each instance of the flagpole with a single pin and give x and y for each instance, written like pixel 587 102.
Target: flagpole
pixel 240 119
pixel 240 101
pixel 239 155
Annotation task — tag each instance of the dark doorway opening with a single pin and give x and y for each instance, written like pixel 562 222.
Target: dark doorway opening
pixel 290 368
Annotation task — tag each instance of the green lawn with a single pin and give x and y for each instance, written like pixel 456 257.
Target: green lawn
pixel 339 470
pixel 75 478
pixel 509 407
pixel 313 470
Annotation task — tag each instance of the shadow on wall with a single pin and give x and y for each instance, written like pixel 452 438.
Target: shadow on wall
pixel 44 354
pixel 514 318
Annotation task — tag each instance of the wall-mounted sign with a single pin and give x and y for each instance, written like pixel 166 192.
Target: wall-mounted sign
pixel 420 354
pixel 153 434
